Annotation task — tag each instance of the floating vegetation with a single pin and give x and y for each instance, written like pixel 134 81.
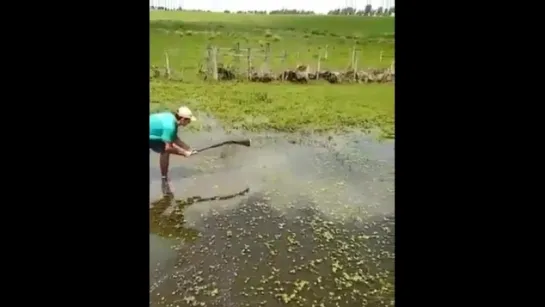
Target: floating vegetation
pixel 257 255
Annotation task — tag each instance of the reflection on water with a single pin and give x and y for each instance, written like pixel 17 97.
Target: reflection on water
pixel 170 226
pixel 164 232
pixel 167 227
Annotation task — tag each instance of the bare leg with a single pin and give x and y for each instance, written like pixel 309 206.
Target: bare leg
pixel 163 165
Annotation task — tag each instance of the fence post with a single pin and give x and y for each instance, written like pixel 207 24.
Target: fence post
pixel 215 62
pixel 318 66
pixel 353 57
pixel 392 67
pixel 267 57
pixel 325 55
pixel 167 63
pixel 355 68
pixel 284 59
pixel 249 59
pixel 208 60
pixel 237 57
pixel 381 55
pixel 267 53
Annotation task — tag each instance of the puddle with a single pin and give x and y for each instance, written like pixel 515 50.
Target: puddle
pixel 315 229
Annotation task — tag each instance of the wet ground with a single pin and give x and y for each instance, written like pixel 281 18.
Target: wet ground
pixel 301 221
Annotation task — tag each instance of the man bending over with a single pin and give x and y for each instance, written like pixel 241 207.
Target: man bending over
pixel 163 139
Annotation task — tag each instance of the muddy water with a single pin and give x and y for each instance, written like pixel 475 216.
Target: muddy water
pixel 315 229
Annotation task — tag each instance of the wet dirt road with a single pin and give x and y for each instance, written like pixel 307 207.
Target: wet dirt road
pixel 315 229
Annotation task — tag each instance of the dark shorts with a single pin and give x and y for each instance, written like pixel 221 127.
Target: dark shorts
pixel 157 146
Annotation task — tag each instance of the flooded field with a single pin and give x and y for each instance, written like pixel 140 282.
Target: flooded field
pixel 300 221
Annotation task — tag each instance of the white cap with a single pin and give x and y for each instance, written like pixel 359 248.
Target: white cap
pixel 185 112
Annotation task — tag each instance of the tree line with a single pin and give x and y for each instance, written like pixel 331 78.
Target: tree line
pixel 367 11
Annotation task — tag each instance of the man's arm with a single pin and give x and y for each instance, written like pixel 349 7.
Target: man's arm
pixel 170 138
pixel 172 148
pixel 181 144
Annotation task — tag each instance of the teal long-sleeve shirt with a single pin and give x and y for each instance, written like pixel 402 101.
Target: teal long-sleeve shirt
pixel 163 126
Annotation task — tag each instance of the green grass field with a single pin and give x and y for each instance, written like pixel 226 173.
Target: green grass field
pixel 284 107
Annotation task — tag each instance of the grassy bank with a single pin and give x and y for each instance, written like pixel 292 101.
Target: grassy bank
pixel 257 106
pixel 286 107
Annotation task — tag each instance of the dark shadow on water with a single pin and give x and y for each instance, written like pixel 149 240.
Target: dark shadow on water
pixel 198 199
pixel 172 225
